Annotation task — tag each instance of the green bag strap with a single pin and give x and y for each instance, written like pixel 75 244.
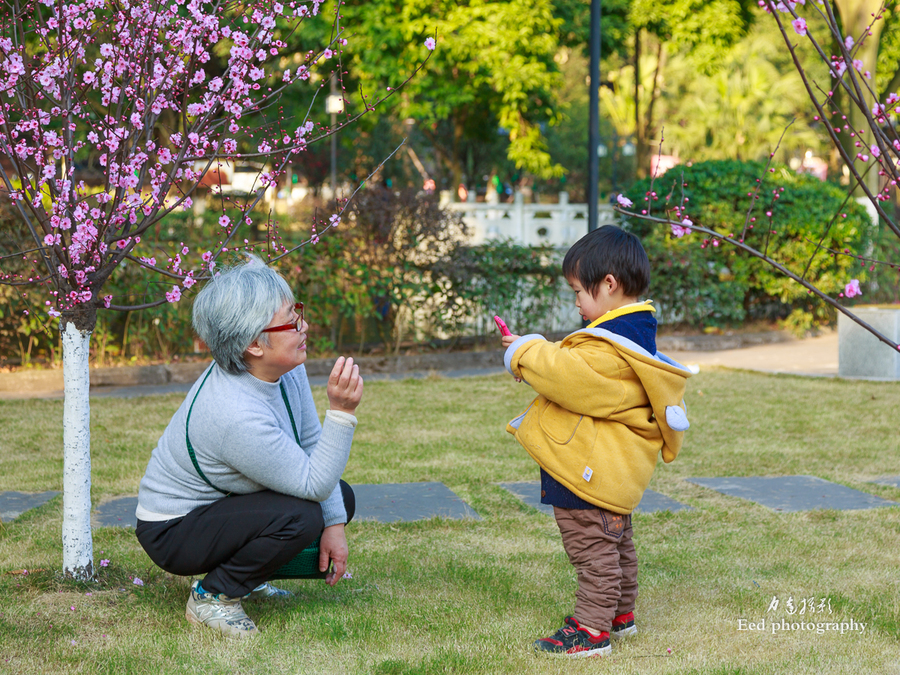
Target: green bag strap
pixel 290 412
pixel 187 438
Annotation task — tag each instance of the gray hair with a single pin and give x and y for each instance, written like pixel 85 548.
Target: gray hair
pixel 234 307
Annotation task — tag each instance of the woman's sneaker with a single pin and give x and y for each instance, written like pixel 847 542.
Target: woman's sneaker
pixel 267 591
pixel 574 641
pixel 219 612
pixel 623 626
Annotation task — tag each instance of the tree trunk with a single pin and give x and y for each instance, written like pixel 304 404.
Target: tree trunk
pixel 78 546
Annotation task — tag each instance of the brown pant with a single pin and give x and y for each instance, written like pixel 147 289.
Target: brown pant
pixel 601 549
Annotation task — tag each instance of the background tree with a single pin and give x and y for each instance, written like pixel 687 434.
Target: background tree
pixel 494 76
pixel 741 108
pixel 876 151
pixel 123 89
pixel 700 28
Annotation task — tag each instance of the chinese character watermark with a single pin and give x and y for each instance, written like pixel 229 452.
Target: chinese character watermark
pixel 806 605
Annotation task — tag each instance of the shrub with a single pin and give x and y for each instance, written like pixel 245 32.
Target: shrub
pixel 700 284
pixel 521 283
pixel 374 274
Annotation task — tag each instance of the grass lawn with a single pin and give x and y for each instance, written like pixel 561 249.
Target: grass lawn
pixel 444 596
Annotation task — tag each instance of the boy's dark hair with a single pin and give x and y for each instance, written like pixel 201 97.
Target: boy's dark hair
pixel 609 250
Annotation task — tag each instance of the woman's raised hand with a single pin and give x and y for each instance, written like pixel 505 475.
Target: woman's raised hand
pixel 345 386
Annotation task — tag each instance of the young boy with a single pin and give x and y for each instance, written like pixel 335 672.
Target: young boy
pixel 607 405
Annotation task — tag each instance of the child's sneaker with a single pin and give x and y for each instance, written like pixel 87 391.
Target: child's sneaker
pixel 623 626
pixel 574 641
pixel 219 612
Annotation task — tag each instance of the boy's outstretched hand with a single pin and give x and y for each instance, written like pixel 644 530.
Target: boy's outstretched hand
pixel 507 340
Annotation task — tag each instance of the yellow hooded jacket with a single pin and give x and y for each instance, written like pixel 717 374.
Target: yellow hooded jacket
pixel 605 409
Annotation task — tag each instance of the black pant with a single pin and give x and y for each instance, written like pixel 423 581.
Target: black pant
pixel 237 541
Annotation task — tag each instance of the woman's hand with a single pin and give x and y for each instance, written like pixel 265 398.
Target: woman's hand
pixel 333 549
pixel 345 386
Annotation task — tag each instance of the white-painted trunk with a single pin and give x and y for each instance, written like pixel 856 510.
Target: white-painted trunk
pixel 78 546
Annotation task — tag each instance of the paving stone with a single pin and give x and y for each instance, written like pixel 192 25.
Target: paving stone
pixel 406 502
pixel 893 481
pixel 14 504
pixel 116 513
pixel 530 493
pixel 794 493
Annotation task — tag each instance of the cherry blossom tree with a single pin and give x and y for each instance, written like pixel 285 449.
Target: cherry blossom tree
pixel 156 96
pixel 875 153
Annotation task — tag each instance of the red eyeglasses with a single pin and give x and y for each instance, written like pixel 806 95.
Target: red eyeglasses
pixel 294 325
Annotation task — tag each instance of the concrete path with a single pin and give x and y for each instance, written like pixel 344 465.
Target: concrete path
pixel 817 356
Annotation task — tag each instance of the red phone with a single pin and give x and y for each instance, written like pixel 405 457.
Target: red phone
pixel 502 326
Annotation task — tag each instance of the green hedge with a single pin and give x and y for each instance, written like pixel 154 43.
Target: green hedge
pixel 704 285
pixel 395 270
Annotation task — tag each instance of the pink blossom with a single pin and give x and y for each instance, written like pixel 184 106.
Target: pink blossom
pixel 224 221
pixel 174 295
pixel 679 230
pixel 335 220
pixel 104 563
pixel 138 582
pixel 107 301
pixel 624 201
pixel 430 44
pixel 799 26
pixel 852 289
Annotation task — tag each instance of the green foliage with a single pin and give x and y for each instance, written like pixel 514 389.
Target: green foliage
pixel 575 31
pixel 701 284
pixel 520 283
pixel 395 269
pixel 742 109
pixel 493 68
pixel 887 77
pixel 377 268
pixel 24 336
pixel 883 285
pixel 703 27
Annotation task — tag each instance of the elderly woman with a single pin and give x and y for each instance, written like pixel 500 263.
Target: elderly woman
pixel 245 476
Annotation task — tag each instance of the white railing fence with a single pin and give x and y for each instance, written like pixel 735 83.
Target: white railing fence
pixel 559 225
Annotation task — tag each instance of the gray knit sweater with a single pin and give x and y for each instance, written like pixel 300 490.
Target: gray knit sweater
pixel 242 437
